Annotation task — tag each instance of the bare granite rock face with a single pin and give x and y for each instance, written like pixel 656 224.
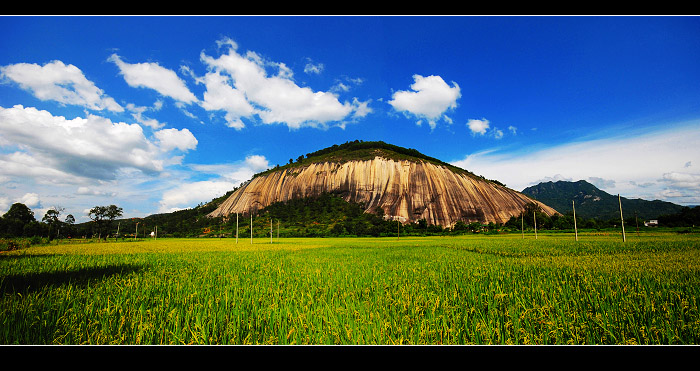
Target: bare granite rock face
pixel 405 190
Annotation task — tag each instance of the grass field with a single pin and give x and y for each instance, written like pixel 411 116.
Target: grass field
pixel 499 289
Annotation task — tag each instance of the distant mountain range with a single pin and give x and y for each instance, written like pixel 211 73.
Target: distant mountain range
pixel 592 202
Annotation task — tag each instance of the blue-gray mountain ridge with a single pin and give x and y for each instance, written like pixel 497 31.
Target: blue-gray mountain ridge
pixel 592 202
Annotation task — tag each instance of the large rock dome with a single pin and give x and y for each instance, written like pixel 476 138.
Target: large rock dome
pixel 405 184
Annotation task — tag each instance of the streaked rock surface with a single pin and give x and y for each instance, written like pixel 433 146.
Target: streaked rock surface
pixel 405 190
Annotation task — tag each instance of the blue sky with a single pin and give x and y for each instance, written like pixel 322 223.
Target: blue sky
pixel 156 114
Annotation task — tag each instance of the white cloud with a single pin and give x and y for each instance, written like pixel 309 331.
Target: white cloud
pixel 222 96
pixel 153 76
pixel 31 200
pixel 228 176
pixel 555 178
pixel 4 205
pixel 170 139
pixel 682 180
pixel 642 185
pixel 257 163
pixel 344 84
pixel 59 82
pixel 630 165
pixel 236 173
pixel 602 183
pixel 478 126
pixel 312 68
pixel 497 133
pixel 189 195
pixel 429 99
pixel 340 87
pixel 671 194
pixel 88 147
pixel 361 109
pixel 51 148
pixel 40 168
pixel 137 114
pixel 483 127
pixel 242 87
pixel 86 191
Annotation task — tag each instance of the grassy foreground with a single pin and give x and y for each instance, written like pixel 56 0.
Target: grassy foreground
pixel 426 290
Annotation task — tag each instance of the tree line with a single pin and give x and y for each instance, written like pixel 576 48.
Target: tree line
pixel 327 215
pixel 20 221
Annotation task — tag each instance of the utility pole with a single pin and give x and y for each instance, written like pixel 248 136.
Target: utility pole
pixel 136 235
pixel 522 224
pixel 278 230
pixel 270 230
pixel 575 229
pixel 398 229
pixel 251 228
pixel 117 236
pixel 636 222
pixel 535 219
pixel 622 221
pixel 236 228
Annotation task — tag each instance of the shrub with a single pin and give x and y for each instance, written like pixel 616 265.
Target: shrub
pixel 13 244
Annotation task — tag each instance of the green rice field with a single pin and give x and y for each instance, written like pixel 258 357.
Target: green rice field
pixel 498 289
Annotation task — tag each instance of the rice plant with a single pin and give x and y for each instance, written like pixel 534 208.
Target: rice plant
pixel 423 290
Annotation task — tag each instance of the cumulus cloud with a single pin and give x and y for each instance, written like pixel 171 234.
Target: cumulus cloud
pixel 38 167
pixel 59 82
pixel 482 127
pixel 478 126
pixel 31 200
pixel 220 95
pixel 170 139
pixel 56 149
pixel 247 85
pixel 429 98
pixel 154 76
pixel 257 163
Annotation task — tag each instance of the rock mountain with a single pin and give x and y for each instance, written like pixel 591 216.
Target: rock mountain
pixel 406 184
